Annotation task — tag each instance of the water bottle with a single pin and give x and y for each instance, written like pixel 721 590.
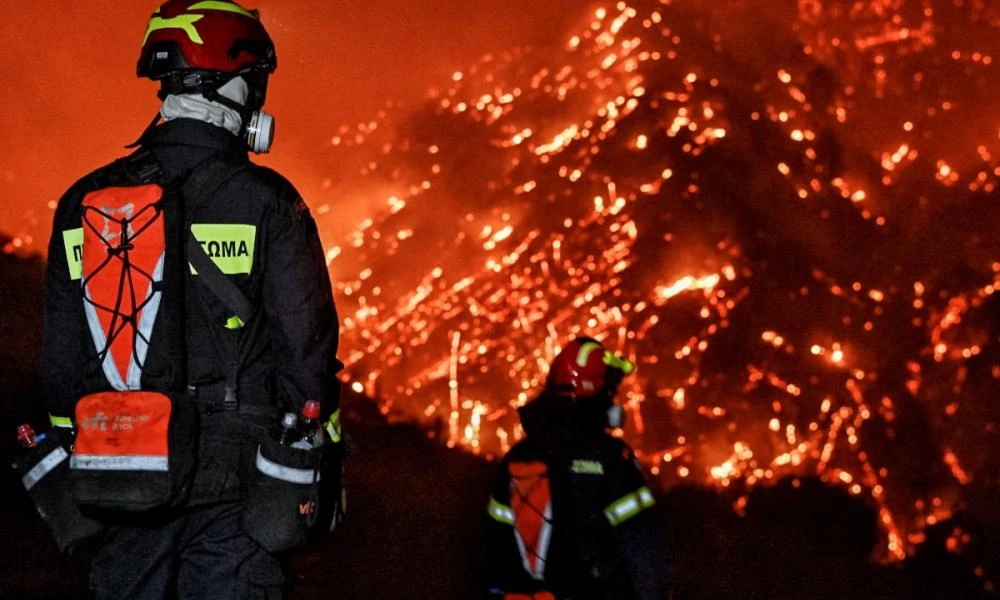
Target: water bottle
pixel 312 430
pixel 26 436
pixel 287 431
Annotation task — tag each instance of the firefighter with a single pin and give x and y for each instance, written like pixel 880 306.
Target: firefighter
pixel 571 516
pixel 212 61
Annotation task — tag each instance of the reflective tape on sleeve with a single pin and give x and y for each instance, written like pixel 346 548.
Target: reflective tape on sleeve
pixel 44 467
pixel 121 462
pixel 646 497
pixel 629 505
pixel 284 473
pixel 61 422
pixel 500 512
pixel 333 426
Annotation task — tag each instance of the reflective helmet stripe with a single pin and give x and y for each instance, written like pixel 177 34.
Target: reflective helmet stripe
pixel 623 364
pixel 226 6
pixel 184 22
pixel 584 354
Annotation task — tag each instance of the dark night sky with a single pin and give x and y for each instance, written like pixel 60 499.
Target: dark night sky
pixel 70 100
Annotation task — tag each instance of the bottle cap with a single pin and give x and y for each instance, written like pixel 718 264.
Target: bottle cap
pixel 289 421
pixel 311 410
pixel 26 434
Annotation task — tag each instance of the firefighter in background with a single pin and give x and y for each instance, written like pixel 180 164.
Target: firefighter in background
pixel 212 60
pixel 570 514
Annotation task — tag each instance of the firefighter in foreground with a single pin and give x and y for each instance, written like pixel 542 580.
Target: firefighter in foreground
pixel 570 514
pixel 188 307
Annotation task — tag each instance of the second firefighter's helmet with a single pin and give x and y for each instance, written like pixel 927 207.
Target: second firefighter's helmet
pixel 585 369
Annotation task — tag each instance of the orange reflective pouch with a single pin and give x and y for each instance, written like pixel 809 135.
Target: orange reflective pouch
pixel 134 451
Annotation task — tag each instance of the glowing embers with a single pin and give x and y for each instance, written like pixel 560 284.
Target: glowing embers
pixel 736 237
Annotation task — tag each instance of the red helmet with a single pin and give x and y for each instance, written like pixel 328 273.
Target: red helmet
pixel 214 36
pixel 585 369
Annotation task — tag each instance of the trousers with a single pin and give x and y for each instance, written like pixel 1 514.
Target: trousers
pixel 201 553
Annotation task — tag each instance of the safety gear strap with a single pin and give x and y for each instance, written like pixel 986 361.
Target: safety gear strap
pixel 149 129
pixel 220 285
pixel 204 183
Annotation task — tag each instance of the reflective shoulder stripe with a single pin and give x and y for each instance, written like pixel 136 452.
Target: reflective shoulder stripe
pixel 119 462
pixel 284 473
pixel 500 512
pixel 629 505
pixel 44 467
pixel 61 422
pixel 333 426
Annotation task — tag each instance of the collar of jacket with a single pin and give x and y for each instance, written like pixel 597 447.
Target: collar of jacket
pixel 191 132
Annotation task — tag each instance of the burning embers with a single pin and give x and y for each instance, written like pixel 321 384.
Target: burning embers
pixel 791 233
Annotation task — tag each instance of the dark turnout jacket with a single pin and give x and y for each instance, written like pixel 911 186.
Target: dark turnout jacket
pixel 258 230
pixel 573 519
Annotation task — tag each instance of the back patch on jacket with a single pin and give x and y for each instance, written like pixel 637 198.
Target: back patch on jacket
pixel 120 258
pixel 229 245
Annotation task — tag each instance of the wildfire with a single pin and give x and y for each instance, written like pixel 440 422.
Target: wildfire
pixel 757 233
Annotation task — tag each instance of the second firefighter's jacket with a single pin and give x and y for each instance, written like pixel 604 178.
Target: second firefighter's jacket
pixel 577 524
pixel 258 231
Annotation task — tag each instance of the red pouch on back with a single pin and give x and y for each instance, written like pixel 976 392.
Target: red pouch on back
pixel 134 450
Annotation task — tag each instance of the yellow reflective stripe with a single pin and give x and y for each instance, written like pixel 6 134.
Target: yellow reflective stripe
pixel 61 422
pixel 584 353
pixel 629 505
pixel 184 22
pixel 623 364
pixel 226 6
pixel 73 241
pixel 230 246
pixel 234 323
pixel 500 512
pixel 646 498
pixel 333 426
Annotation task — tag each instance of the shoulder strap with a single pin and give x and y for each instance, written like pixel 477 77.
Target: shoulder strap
pixel 138 168
pixel 198 188
pixel 216 281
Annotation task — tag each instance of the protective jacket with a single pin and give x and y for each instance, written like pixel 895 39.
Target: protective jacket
pixel 258 230
pixel 571 519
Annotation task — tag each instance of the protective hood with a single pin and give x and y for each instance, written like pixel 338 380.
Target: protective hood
pixel 200 108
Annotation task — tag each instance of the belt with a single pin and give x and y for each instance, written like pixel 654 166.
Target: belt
pixel 211 399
